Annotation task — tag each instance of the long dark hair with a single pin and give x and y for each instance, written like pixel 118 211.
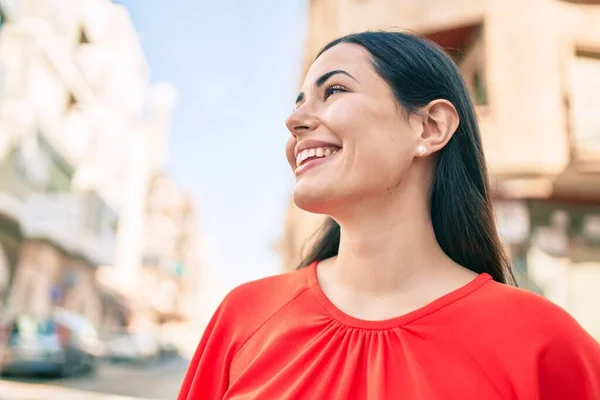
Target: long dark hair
pixel 419 72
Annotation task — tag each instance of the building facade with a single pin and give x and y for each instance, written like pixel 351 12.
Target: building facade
pixel 171 263
pixel 82 131
pixel 534 76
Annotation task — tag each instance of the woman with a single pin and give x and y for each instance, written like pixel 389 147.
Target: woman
pixel 406 295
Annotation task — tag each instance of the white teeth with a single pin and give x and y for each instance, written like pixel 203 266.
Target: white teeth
pixel 314 152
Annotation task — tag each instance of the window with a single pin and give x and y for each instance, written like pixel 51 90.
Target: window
pixel 3 17
pixel 71 102
pixel 41 166
pixel 584 102
pixel 83 38
pixel 34 162
pixel 583 1
pixel 479 89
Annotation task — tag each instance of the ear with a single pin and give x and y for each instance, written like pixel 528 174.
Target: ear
pixel 439 124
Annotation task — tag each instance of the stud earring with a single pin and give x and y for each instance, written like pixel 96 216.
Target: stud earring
pixel 421 150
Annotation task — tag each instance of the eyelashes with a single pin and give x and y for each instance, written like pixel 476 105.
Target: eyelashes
pixel 328 92
pixel 333 89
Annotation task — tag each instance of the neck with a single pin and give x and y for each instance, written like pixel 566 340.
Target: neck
pixel 387 245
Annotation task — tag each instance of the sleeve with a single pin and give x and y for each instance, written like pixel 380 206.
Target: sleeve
pixel 570 366
pixel 207 377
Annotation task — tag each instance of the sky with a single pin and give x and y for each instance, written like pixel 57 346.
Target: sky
pixel 236 65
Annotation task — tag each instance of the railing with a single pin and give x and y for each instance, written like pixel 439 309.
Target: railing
pixel 63 219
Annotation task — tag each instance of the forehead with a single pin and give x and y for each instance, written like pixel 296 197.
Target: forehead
pixel 349 57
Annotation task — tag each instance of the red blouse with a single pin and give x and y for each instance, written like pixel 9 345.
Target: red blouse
pixel 281 338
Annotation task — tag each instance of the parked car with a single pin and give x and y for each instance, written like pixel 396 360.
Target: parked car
pixel 168 339
pixel 139 347
pixel 63 343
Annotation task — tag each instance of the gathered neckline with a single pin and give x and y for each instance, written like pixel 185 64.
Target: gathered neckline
pixel 394 322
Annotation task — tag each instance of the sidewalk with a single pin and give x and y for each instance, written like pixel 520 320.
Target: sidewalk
pixel 32 391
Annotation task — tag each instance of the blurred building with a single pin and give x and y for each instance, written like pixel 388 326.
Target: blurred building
pixel 171 263
pixel 533 70
pixel 82 133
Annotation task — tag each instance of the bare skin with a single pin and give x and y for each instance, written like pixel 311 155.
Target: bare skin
pixel 375 186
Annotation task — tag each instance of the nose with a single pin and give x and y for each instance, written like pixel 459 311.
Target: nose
pixel 301 120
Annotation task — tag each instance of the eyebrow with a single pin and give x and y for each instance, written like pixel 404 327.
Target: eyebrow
pixel 324 78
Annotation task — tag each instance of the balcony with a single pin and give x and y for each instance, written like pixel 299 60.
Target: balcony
pixel 79 224
pixel 331 19
pixel 10 206
pixel 408 14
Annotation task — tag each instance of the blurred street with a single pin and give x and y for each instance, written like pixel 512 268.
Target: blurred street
pixel 159 380
pixel 132 198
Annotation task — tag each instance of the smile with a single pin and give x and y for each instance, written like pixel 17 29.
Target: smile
pixel 307 155
pixel 313 157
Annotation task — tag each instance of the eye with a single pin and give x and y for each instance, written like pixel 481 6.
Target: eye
pixel 333 89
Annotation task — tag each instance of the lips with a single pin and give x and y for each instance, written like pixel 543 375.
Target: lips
pixel 315 161
pixel 310 153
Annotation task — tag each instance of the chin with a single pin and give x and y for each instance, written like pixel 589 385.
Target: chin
pixel 316 201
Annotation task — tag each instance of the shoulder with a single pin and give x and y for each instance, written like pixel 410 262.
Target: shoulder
pixel 529 332
pixel 565 356
pixel 274 289
pixel 526 309
pixel 249 305
pixel 241 313
pixel 516 315
pixel 528 320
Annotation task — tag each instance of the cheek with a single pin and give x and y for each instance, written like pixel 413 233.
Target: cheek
pixel 377 167
pixel 289 151
pixel 378 157
pixel 377 143
pixel 343 118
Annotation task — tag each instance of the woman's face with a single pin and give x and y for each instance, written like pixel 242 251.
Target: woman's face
pixel 350 140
